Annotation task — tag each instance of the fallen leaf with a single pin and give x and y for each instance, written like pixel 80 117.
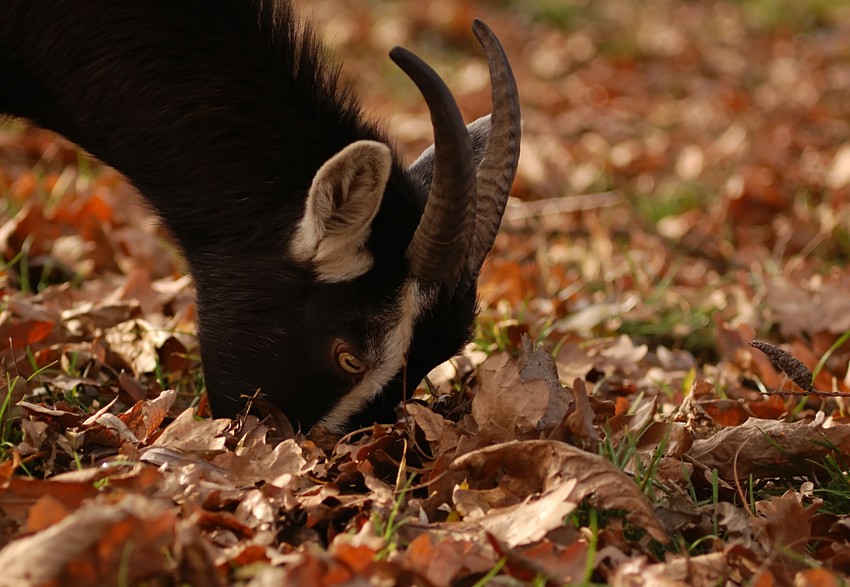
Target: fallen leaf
pixel 522 523
pixel 99 543
pixel 581 420
pixel 540 466
pixel 696 571
pixel 763 448
pixel 505 407
pixel 788 522
pixel 445 560
pixel 186 433
pixel 540 365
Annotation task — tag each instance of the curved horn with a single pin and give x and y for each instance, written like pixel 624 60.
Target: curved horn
pixel 498 167
pixel 440 244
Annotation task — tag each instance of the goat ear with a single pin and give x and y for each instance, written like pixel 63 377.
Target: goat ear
pixel 422 170
pixel 341 204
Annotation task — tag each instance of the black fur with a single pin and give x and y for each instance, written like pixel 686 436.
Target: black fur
pixel 220 112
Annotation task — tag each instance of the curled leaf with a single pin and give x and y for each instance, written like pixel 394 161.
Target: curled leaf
pixel 541 467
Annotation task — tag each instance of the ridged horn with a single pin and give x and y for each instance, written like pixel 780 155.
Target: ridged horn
pixel 498 167
pixel 438 251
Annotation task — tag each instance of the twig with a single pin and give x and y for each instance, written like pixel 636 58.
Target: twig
pixel 813 392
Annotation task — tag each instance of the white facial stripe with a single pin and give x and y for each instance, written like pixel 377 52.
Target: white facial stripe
pixel 387 358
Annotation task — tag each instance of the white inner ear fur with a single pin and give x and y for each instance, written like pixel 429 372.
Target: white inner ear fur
pixel 341 204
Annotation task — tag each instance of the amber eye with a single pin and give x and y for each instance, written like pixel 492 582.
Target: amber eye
pixel 348 361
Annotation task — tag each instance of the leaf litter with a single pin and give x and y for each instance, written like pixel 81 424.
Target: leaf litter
pixel 684 190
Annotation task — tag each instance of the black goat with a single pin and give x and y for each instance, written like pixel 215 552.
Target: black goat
pixel 328 276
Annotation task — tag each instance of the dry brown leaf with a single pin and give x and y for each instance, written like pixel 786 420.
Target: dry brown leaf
pixel 707 570
pixel 726 412
pixel 518 402
pixel 133 387
pixel 188 434
pixel 623 356
pixel 137 341
pixel 19 494
pixel 818 578
pixel 770 408
pixel 100 543
pixel 766 448
pixel 441 434
pixel 133 426
pixel 312 569
pixel 36 434
pixel 675 437
pixel 581 420
pixel 196 565
pixel 572 362
pixel 538 467
pixel 444 560
pixel 108 430
pixel 28 223
pixel 811 308
pixel 145 417
pixel 274 465
pixel 138 287
pixel 25 333
pixel 173 355
pixel 66 417
pixel 648 433
pixel 559 564
pixel 788 522
pixel 256 511
pixel 504 408
pixel 522 523
pixel 91 317
pixel 44 513
pixel 540 365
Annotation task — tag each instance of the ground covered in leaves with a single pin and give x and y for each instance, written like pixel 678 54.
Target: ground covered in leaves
pixel 684 189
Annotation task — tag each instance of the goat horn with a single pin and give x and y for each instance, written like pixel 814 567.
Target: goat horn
pixel 440 244
pixel 498 167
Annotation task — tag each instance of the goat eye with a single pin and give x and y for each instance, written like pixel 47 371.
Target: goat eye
pixel 349 362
